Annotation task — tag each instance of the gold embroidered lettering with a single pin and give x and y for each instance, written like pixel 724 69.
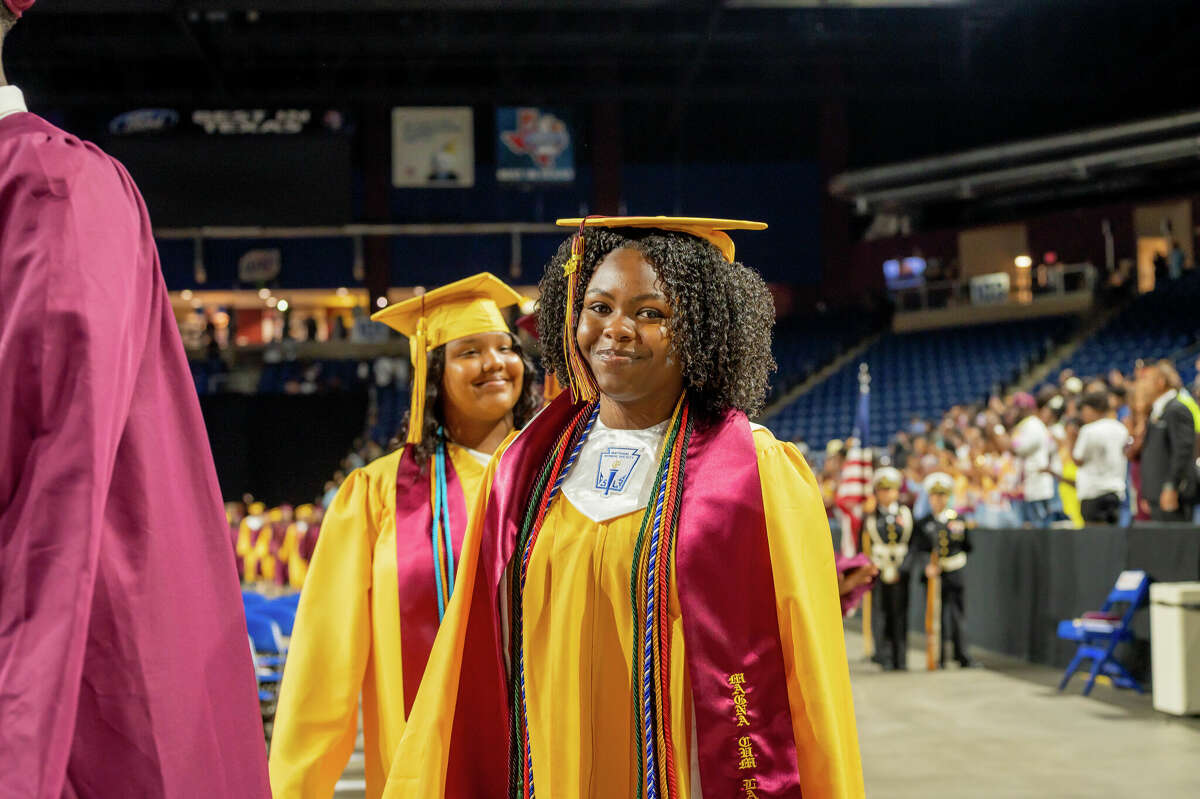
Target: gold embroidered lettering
pixel 741 714
pixel 746 753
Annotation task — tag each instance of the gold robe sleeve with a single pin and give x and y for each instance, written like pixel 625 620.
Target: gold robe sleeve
pixel 317 716
pixel 810 623
pixel 418 766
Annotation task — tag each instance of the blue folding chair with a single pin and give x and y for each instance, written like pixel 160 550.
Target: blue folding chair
pixel 281 614
pixel 252 599
pixel 287 600
pixel 265 634
pixel 1099 632
pixel 266 667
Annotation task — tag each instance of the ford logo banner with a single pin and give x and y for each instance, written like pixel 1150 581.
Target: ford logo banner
pixel 144 120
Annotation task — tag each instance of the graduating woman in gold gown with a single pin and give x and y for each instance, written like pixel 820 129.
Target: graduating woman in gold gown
pixel 384 565
pixel 647 601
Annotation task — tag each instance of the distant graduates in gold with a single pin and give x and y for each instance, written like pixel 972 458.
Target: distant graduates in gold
pixel 384 567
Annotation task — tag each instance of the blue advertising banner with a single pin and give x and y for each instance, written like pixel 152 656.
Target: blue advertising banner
pixel 534 145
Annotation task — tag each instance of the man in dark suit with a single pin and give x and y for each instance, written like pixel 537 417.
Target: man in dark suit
pixel 1169 447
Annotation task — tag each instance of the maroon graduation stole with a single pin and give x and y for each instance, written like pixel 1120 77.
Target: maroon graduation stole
pixel 716 544
pixel 416 561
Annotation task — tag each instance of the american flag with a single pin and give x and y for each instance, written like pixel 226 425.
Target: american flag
pixel 856 470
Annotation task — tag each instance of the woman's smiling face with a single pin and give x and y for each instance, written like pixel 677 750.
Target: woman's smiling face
pixel 623 332
pixel 483 376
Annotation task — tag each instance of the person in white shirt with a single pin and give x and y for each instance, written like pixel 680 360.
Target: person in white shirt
pixel 1099 452
pixel 1038 451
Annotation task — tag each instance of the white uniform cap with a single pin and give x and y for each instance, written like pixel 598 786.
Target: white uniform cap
pixel 939 483
pixel 887 477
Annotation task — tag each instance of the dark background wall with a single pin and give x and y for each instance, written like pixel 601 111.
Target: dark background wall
pixel 281 448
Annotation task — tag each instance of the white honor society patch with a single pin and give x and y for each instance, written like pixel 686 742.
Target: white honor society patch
pixel 615 471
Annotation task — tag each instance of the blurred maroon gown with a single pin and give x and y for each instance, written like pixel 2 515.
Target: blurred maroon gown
pixel 124 663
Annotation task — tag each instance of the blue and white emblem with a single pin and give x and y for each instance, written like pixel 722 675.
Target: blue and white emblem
pixel 615 467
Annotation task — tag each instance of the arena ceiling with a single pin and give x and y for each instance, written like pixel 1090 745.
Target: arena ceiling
pixel 748 76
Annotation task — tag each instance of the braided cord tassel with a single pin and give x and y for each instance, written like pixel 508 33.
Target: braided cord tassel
pixel 439 499
pixel 672 508
pixel 649 595
pixel 579 377
pixel 444 497
pixel 558 464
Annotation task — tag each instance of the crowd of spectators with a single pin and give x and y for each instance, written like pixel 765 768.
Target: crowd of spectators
pixel 1108 449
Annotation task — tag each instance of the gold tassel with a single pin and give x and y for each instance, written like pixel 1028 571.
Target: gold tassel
pixel 579 377
pixel 420 359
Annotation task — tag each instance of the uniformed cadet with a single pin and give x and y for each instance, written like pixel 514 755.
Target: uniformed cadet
pixel 888 530
pixel 942 530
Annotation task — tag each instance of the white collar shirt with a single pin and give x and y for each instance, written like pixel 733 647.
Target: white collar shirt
pixel 12 101
pixel 1160 405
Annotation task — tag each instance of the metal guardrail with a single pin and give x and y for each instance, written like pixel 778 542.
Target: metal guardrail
pixel 356 234
pixel 1063 280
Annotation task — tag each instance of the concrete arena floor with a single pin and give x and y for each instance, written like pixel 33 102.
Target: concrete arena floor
pixel 998 732
pixel 1005 731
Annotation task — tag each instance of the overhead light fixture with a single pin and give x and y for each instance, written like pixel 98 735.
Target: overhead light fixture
pixel 1023 261
pixel 282 305
pixel 264 293
pixel 186 294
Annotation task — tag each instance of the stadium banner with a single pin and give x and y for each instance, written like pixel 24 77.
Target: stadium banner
pixel 534 145
pixel 990 289
pixel 223 122
pixel 433 147
pixel 260 265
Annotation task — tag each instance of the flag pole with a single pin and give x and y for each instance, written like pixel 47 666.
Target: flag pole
pixel 861 431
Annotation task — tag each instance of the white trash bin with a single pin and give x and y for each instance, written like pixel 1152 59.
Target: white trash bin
pixel 1175 647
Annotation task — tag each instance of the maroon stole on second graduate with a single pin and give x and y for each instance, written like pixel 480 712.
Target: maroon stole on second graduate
pixel 415 562
pixel 726 590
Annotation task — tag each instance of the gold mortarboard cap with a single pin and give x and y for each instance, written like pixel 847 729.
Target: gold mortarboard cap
pixel 711 230
pixel 579 378
pixel 463 308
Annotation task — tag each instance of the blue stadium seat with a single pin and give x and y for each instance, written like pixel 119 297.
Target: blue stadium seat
pixel 922 373
pixel 1155 325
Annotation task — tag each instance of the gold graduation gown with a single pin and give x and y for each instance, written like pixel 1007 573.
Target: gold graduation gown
pixel 247 547
pixel 289 553
pixel 346 640
pixel 578 675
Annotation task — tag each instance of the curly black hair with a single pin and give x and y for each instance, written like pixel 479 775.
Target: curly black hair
pixel 527 404
pixel 721 321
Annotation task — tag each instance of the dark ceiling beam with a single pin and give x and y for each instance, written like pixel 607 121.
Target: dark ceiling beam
pixel 684 42
pixel 356 6
pixel 478 92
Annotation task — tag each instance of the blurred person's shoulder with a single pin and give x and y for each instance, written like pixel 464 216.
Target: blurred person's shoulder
pixel 54 163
